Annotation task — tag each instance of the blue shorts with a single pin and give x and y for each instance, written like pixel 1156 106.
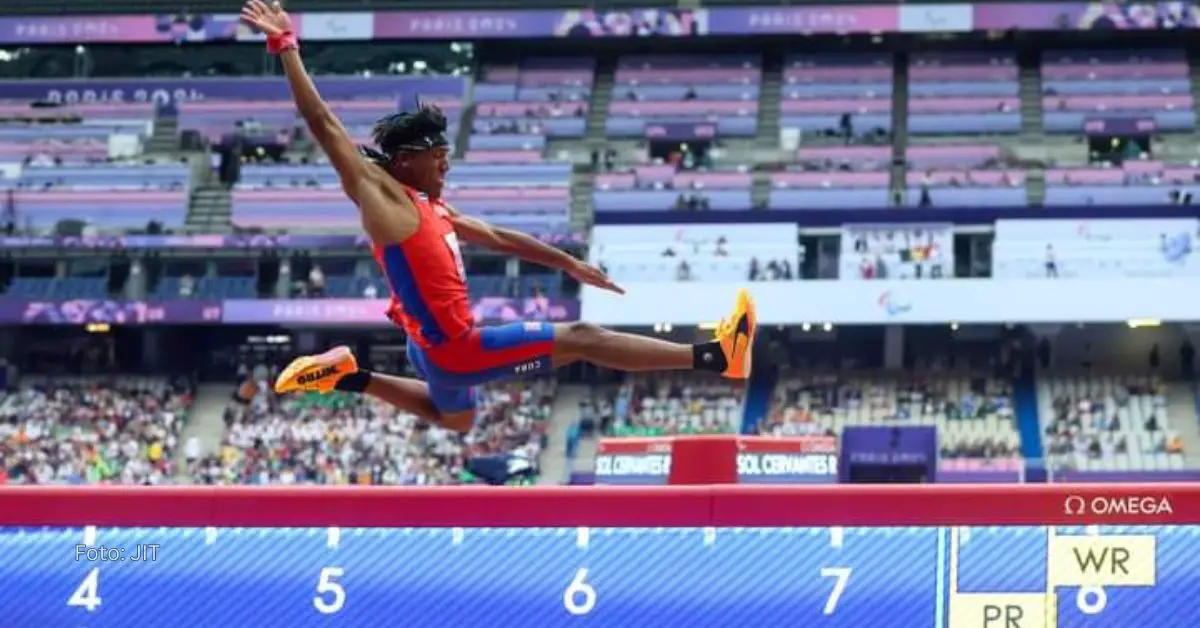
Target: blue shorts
pixel 488 354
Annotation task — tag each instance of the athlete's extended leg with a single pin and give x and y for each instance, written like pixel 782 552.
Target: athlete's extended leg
pixel 728 354
pixel 337 369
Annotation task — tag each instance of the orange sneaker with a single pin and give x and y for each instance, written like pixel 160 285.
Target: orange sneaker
pixel 736 335
pixel 318 373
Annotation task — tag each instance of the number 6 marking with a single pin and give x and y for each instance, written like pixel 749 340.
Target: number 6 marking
pixel 579 588
pixel 841 576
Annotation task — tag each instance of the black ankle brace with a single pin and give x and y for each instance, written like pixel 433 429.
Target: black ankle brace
pixel 709 357
pixel 355 382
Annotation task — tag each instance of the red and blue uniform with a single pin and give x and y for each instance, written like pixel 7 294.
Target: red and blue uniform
pixel 429 300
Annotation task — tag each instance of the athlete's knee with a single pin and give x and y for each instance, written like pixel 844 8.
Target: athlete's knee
pixel 578 338
pixel 460 422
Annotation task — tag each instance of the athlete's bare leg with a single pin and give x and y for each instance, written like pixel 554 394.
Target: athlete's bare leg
pixel 412 395
pixel 618 350
pixel 729 353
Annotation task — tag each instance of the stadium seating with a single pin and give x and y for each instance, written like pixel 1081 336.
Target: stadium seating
pixel 74 430
pixel 958 93
pixel 674 404
pixel 1108 423
pixel 729 98
pixel 518 106
pixel 1134 182
pixel 833 176
pixel 962 175
pixel 974 417
pixel 353 439
pixel 39 288
pixel 897 252
pixel 534 197
pixel 697 252
pixel 661 187
pixel 70 170
pixel 106 209
pixel 74 133
pixel 1146 84
pixel 1095 249
pixel 820 89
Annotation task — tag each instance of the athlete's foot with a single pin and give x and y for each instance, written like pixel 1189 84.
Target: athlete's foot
pixel 318 373
pixel 736 337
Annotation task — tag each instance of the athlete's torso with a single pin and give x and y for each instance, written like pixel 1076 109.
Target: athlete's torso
pixel 427 277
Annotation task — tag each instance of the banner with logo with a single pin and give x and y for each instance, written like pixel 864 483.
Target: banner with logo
pixel 1098 16
pixel 371 311
pixel 605 23
pixel 932 301
pixel 487 310
pixel 88 311
pixel 761 460
pixel 256 242
pixel 164 91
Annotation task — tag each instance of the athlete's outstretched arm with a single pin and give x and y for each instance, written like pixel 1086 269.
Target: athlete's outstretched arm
pixel 529 248
pixel 363 181
pixel 324 126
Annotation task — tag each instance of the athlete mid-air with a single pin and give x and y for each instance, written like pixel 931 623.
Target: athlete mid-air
pixel 415 235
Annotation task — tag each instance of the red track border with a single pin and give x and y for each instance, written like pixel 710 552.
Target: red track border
pixel 676 506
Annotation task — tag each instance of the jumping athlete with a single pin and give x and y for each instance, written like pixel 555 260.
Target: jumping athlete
pixel 416 234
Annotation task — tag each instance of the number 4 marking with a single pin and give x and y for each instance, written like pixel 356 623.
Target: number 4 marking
pixel 840 575
pixel 88 594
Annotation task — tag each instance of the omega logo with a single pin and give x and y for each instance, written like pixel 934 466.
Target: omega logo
pixel 1126 505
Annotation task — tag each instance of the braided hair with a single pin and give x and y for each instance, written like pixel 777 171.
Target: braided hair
pixel 407 132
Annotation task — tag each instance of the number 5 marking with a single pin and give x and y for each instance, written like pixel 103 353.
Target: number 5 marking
pixel 328 584
pixel 840 575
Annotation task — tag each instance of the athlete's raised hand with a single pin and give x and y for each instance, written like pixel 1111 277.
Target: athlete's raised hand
pixel 271 19
pixel 587 274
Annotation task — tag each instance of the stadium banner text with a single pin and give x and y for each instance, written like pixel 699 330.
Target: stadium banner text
pixel 263 311
pixel 173 91
pixel 222 242
pixel 790 460
pixel 602 23
pixel 932 302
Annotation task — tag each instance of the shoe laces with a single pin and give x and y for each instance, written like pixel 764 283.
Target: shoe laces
pixel 725 328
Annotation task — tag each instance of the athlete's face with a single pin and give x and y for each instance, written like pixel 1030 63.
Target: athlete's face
pixel 425 170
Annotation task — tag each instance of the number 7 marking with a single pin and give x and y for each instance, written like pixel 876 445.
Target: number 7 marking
pixel 841 576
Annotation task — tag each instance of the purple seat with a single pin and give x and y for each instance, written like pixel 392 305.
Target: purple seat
pixel 685 76
pixel 955 155
pixel 679 181
pixel 1058 71
pixel 963 105
pixel 833 178
pixel 935 73
pixel 1152 102
pixel 684 108
pixel 838 74
pixel 858 157
pixel 503 156
pixel 107 111
pixel 530 110
pixel 82 150
pixel 967 178
pixel 1085 176
pixel 837 106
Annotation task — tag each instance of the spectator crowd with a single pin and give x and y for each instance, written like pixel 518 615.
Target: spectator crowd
pixel 74 431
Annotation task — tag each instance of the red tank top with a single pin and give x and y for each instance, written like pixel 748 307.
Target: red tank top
pixel 427 277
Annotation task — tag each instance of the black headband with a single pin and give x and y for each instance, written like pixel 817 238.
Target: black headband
pixel 428 142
